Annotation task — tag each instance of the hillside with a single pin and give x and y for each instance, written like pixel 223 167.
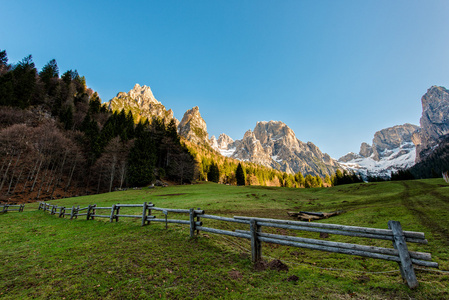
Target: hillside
pixel 51 257
pixel 57 139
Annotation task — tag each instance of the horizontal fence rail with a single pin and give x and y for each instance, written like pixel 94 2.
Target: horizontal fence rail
pixel 7 207
pixel 399 253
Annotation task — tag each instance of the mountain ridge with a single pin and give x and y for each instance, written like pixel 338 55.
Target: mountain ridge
pixel 274 144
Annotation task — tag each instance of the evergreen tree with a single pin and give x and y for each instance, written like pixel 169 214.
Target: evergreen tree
pixel 240 175
pixel 310 181
pixel 66 117
pixel 299 178
pixel 3 58
pixel 4 67
pixel 94 104
pixel 24 81
pixel 142 160
pixel 214 173
pixel 48 72
pixel 69 76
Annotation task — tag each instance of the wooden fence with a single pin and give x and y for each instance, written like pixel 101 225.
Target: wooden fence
pixel 6 207
pixel 399 238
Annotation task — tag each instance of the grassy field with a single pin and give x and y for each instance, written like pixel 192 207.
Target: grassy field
pixel 44 256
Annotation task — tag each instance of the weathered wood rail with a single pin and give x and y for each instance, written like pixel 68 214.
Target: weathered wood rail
pixel 399 238
pixel 6 207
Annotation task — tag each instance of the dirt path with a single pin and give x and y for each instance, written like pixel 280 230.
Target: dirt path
pixel 410 199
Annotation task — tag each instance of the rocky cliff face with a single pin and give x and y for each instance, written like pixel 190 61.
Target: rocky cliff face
pixel 193 127
pixel 225 144
pixel 392 150
pixel 142 103
pixel 434 121
pixel 274 144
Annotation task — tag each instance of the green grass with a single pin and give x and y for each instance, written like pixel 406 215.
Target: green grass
pixel 44 256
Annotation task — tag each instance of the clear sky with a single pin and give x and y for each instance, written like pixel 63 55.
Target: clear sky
pixel 334 71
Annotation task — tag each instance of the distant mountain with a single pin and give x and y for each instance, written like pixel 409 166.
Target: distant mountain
pixel 274 144
pixel 401 147
pixel 193 127
pixel 142 103
pixel 392 150
pixel 434 121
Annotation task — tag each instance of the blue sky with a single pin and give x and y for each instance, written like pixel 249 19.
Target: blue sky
pixel 334 71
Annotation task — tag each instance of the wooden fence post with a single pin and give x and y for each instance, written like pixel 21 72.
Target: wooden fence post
pixel 256 246
pixel 94 211
pixel 72 212
pixel 406 267
pixel 89 208
pixel 112 213
pixel 144 213
pixel 117 208
pixel 198 219
pixel 192 222
pixel 22 206
pixel 165 212
pixel 149 211
pixel 61 211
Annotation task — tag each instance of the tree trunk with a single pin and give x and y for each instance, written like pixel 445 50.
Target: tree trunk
pixel 37 175
pixel 60 175
pixel 99 180
pixel 114 161
pixel 71 173
pixel 42 183
pixel 52 176
pixel 122 173
pixel 18 180
pixel 6 173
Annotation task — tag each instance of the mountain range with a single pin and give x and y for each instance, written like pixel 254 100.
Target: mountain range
pixel 274 144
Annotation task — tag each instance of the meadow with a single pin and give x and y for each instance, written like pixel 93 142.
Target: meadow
pixel 47 257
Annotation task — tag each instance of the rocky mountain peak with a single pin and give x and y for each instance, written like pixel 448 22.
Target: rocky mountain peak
pixel 224 141
pixel 391 138
pixel 193 127
pixel 213 142
pixel 392 150
pixel 434 121
pixel 272 130
pixel 142 94
pixel 274 144
pixel 142 103
pixel 366 150
pixel 276 132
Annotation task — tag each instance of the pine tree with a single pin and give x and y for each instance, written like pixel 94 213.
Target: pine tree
pixel 49 71
pixel 240 175
pixel 142 160
pixel 214 173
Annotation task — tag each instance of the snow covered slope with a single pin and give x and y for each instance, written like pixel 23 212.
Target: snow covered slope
pixel 391 160
pixel 392 150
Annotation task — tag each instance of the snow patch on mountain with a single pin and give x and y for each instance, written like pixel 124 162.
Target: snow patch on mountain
pixel 392 150
pixel 390 161
pixel 226 152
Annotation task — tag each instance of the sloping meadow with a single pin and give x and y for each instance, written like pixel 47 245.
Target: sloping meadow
pixel 44 256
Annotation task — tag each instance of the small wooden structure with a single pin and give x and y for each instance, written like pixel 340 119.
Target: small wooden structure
pixel 312 216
